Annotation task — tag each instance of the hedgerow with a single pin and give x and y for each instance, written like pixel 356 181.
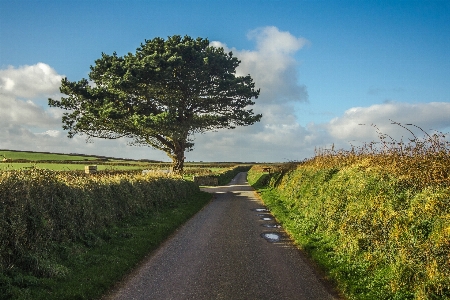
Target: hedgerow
pixel 377 220
pixel 40 209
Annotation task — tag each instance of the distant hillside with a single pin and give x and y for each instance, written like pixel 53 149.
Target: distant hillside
pixel 20 156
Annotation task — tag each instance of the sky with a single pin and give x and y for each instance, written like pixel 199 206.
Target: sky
pixel 323 67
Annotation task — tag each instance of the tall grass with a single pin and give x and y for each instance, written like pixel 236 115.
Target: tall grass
pixel 420 161
pixel 377 217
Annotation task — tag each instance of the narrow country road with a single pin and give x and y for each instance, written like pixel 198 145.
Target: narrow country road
pixel 232 249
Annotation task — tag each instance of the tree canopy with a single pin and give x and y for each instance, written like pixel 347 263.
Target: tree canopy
pixel 160 95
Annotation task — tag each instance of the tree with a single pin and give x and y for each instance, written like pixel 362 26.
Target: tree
pixel 160 96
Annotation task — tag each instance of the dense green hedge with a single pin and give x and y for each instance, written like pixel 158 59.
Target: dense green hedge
pixel 379 237
pixel 40 208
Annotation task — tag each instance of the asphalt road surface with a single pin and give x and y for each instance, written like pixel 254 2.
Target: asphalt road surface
pixel 232 249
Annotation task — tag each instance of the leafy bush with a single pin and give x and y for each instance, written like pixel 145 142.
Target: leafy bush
pixel 41 208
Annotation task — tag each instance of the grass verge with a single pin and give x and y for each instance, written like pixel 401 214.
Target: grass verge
pixel 90 267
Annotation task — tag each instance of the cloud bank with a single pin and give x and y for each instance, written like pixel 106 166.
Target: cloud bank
pixel 356 123
pixel 26 123
pixel 29 81
pixel 272 65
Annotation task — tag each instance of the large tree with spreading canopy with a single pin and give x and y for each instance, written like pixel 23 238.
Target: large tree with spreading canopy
pixel 160 96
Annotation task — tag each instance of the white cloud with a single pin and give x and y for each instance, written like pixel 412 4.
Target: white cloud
pixel 18 115
pixel 270 40
pixel 29 81
pixel 428 116
pixel 51 133
pixel 272 65
pixel 21 113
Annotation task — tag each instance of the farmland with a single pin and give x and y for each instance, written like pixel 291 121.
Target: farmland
pixel 24 160
pixel 12 155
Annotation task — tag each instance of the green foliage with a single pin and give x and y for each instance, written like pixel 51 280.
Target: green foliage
pixel 95 262
pixel 39 208
pixel 159 96
pixel 378 235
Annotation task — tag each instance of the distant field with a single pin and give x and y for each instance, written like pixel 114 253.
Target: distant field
pixel 36 156
pixel 66 166
pixel 17 160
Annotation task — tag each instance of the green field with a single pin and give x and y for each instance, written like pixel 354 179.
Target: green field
pixel 22 160
pixel 67 166
pixel 25 160
pixel 37 156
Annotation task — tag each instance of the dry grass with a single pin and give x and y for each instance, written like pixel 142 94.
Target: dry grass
pixel 420 161
pixel 376 216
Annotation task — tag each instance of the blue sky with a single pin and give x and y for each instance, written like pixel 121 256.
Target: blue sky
pixel 323 67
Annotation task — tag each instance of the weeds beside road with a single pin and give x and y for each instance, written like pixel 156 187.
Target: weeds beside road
pixel 377 219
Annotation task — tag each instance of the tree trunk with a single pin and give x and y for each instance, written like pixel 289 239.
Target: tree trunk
pixel 178 161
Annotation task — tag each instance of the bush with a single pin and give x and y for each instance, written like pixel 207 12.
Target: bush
pixel 379 235
pixel 41 208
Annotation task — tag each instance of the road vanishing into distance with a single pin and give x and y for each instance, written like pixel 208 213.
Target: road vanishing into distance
pixel 231 249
